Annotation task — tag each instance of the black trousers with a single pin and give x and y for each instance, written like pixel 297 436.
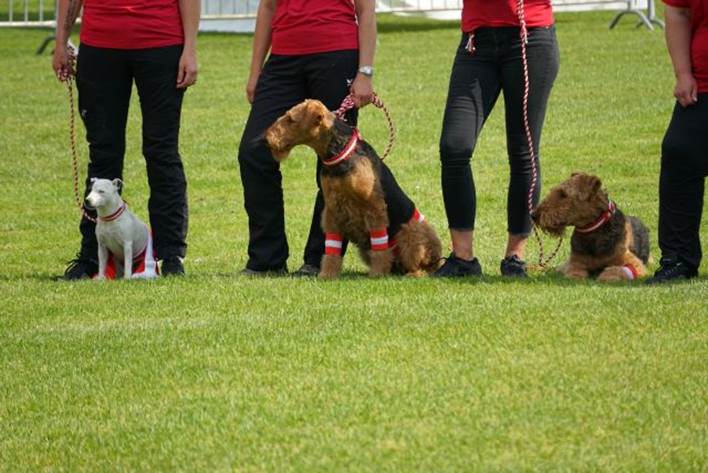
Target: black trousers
pixel 104 80
pixel 475 84
pixel 284 82
pixel 684 167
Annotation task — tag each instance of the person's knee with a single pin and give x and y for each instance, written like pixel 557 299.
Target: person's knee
pixel 455 152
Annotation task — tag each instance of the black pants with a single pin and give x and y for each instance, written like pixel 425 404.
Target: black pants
pixel 105 80
pixel 284 82
pixel 475 84
pixel 684 167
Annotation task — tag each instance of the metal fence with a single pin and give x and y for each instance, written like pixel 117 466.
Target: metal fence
pixel 27 13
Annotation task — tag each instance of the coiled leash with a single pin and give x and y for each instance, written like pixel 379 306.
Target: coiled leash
pixel 348 104
pixel 542 262
pixel 68 79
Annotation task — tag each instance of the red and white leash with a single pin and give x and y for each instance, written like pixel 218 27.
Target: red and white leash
pixel 69 80
pixel 348 104
pixel 542 262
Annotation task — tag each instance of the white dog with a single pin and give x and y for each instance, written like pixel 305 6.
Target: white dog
pixel 124 242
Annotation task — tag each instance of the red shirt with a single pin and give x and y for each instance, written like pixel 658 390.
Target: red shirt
pixel 699 38
pixel 131 24
pixel 495 13
pixel 314 26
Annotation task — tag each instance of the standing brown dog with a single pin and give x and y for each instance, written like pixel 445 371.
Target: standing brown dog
pixel 363 202
pixel 605 242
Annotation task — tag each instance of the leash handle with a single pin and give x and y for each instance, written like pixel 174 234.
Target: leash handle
pixel 348 104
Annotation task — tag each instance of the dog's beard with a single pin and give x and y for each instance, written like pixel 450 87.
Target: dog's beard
pixel 280 155
pixel 552 228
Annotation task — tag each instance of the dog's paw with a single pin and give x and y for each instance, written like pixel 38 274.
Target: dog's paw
pixel 328 274
pixel 613 274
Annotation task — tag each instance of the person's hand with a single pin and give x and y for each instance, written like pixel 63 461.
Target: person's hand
pixel 63 62
pixel 187 69
pixel 686 91
pixel 251 86
pixel 362 90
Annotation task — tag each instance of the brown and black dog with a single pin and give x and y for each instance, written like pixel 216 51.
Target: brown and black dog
pixel 363 202
pixel 605 242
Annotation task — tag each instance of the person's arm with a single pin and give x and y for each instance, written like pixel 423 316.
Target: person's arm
pixel 678 41
pixel 189 10
pixel 261 44
pixel 362 87
pixel 62 60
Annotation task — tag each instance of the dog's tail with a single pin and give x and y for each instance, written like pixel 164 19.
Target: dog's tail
pixel 640 243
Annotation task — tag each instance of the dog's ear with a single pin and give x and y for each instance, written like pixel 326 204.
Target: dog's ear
pixel 94 179
pixel 589 185
pixel 117 183
pixel 324 118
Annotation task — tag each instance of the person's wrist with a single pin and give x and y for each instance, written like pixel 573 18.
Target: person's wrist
pixel 366 71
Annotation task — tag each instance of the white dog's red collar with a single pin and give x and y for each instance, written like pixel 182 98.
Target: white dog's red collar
pixel 114 215
pixel 603 219
pixel 346 152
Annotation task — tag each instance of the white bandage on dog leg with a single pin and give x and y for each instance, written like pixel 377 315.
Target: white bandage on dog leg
pixel 333 244
pixel 630 271
pixel 379 239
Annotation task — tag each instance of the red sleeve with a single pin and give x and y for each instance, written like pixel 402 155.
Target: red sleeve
pixel 678 3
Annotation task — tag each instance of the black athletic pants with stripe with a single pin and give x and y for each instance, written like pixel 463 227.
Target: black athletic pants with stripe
pixel 104 79
pixel 284 82
pixel 476 81
pixel 684 167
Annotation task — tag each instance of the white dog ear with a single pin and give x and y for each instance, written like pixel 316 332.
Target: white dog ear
pixel 93 179
pixel 117 183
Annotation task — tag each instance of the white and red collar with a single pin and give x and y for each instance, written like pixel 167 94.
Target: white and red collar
pixel 346 152
pixel 601 220
pixel 115 214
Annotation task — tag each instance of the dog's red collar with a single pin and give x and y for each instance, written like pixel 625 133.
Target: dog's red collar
pixel 114 215
pixel 346 152
pixel 602 219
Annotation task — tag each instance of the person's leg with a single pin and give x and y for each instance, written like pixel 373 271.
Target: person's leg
pixel 104 84
pixel 684 166
pixel 329 77
pixel 474 88
pixel 155 72
pixel 281 85
pixel 543 64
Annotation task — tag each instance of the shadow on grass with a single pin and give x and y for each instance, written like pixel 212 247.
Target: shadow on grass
pixel 548 278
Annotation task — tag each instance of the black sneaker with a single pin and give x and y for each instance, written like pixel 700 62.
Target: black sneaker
pixel 672 270
pixel 172 266
pixel 261 274
pixel 80 268
pixel 513 266
pixel 455 267
pixel 307 270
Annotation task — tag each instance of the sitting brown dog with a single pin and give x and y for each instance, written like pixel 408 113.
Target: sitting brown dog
pixel 363 202
pixel 605 242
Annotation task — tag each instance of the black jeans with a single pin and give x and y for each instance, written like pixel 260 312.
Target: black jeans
pixel 284 82
pixel 684 167
pixel 104 80
pixel 475 84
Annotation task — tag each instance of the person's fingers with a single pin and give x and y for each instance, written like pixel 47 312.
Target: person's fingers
pixel 181 73
pixel 190 78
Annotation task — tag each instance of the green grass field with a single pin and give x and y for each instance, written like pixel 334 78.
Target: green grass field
pixel 218 372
